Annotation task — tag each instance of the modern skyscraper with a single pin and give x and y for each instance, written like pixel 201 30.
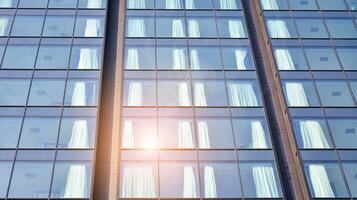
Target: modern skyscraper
pixel 172 99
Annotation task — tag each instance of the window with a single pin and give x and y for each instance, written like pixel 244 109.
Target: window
pixel 143 4
pixel 341 28
pixel 260 180
pixel 33 4
pixel 140 93
pixel 174 93
pixel 169 4
pixel 170 27
pixel 171 57
pixel 237 58
pixel 139 132
pixel 13 92
pixel 312 134
pixel 346 57
pixel 281 28
pixel 86 57
pixel 39 132
pixel 300 93
pixel 46 92
pixel 243 94
pixel 6 161
pixel 198 4
pixel 344 132
pixel 5 24
pixel 62 4
pixel 53 56
pixel 290 58
pixel 207 91
pixel 9 131
pixel 231 27
pixel 332 5
pixel 334 93
pixel 176 132
pixel 59 26
pixel 81 92
pixel 91 4
pixel 325 180
pixel 303 4
pixel 311 28
pixel 8 4
pixel 322 58
pixel 140 26
pixel 352 4
pixel 350 170
pixel 205 57
pixel 140 57
pixel 251 133
pixel 354 88
pixel 227 4
pixel 89 26
pixel 27 53
pixel 27 25
pixel 201 27
pixel 274 4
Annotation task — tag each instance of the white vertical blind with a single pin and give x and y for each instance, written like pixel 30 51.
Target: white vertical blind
pixel 228 4
pixel 76 185
pixel 295 94
pixel 138 182
pixel 179 59
pixel 135 94
pixel 132 59
pixel 189 183
pixel 190 4
pixel 203 135
pixel 278 29
pixel 128 134
pixel 136 28
pixel 3 26
pixel 173 4
pixel 184 96
pixel 193 29
pixel 177 28
pixel 88 58
pixel 210 182
pixel 320 181
pixel 200 95
pixel 136 4
pixel 284 59
pixel 312 134
pixel 79 97
pixel 242 94
pixel 258 135
pixel 194 59
pixel 241 56
pixel 269 4
pixel 264 181
pixel 92 28
pixel 94 4
pixel 235 28
pixel 185 136
pixel 79 137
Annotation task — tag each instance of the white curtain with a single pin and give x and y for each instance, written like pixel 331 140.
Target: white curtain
pixel 184 96
pixel 200 95
pixel 189 183
pixel 264 181
pixel 203 135
pixel 179 59
pixel 177 28
pixel 270 5
pixel 173 4
pixel 135 94
pixel 320 181
pixel 76 185
pixel 88 58
pixel 136 28
pixel 278 29
pixel 79 97
pixel 92 28
pixel 5 3
pixel 242 94
pixel 241 55
pixel 284 59
pixel 194 59
pixel 132 59
pixel 296 95
pixel 193 29
pixel 228 4
pixel 210 182
pixel 138 182
pixel 136 4
pixel 185 136
pixel 94 4
pixel 235 28
pixel 3 26
pixel 128 134
pixel 79 137
pixel 190 4
pixel 312 134
pixel 258 135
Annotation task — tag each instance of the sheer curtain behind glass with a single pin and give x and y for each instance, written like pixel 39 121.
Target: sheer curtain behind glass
pixel 210 186
pixel 189 183
pixel 242 94
pixel 200 96
pixel 190 4
pixel 185 135
pixel 173 4
pixel 179 59
pixel 269 4
pixel 228 4
pixel 313 135
pixel 88 58
pixel 3 25
pixel 77 180
pixel 132 61
pixel 194 59
pixel 94 4
pixel 284 59
pixel 5 3
pixel 320 182
pixel 136 4
pixel 278 29
pixel 203 135
pixel 236 29
pixel 177 28
pixel 135 96
pixel 241 59
pixel 264 180
pixel 138 182
pixel 93 28
pixel 128 135
pixel 193 28
pixel 258 135
pixel 296 95
pixel 136 28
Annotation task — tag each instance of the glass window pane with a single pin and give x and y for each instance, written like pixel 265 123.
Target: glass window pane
pixel 347 56
pixel 46 92
pixel 237 58
pixel 178 180
pixel 251 133
pixel 274 4
pixel 322 58
pixel 5 171
pixel 62 4
pixel 172 57
pixel 8 4
pixel 344 132
pixel 169 4
pixel 139 132
pixel 303 4
pixel 9 131
pixel 227 5
pixel 140 57
pixel 312 134
pixel 176 133
pixel 81 92
pixel 206 93
pixel 352 4
pixel 334 93
pixel 225 177
pixel 332 5
pixel 77 133
pixel 33 4
pixel 5 23
pixel 244 94
pixel 86 57
pixel 140 93
pixel 311 28
pixel 198 4
pixel 201 27
pixel 281 28
pixel 328 176
pixel 350 170
pixel 27 25
pixel 341 28
pixel 260 180
pixel 290 58
pixel 300 93
pixel 170 27
pixel 26 52
pixel 174 93
pixel 13 92
pixel 89 26
pixel 53 57
pixel 354 88
pixel 91 4
pixel 140 26
pixel 205 57
pixel 58 26
pixel 231 27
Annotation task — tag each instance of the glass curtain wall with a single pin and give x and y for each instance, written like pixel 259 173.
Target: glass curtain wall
pixel 50 78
